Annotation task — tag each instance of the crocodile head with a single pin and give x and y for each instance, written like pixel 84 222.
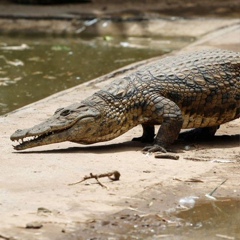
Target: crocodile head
pixel 76 123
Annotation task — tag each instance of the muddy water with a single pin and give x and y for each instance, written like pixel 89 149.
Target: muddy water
pixel 217 219
pixel 36 67
pixel 205 219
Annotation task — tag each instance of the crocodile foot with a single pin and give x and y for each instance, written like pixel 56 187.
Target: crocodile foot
pixel 154 148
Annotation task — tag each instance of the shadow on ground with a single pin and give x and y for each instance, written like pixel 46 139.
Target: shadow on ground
pixel 223 141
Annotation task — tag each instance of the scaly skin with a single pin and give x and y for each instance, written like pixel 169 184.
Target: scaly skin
pixel 197 90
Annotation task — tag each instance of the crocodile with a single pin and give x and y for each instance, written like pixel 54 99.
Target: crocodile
pixel 198 90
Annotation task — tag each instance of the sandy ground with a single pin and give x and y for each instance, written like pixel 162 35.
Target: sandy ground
pixel 34 183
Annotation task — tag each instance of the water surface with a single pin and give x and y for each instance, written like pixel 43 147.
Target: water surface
pixel 32 68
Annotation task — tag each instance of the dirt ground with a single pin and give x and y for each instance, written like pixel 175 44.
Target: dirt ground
pixel 37 201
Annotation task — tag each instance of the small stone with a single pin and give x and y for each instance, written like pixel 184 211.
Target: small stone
pixel 43 210
pixel 187 148
pixel 34 225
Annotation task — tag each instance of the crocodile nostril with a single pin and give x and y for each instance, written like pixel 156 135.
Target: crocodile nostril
pixel 58 110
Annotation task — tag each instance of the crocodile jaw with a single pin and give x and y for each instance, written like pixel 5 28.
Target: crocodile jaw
pixel 26 140
pixel 75 133
pixel 67 124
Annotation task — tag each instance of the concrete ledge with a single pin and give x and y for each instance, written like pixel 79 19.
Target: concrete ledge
pixel 167 27
pixel 147 18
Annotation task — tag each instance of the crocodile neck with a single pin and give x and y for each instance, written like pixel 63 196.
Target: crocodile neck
pixel 118 115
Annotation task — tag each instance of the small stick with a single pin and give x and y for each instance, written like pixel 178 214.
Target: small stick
pixel 4 237
pixel 166 155
pixel 215 189
pixel 196 159
pixel 114 176
pixel 194 180
pixel 100 183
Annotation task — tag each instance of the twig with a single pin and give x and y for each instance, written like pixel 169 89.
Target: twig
pixel 4 237
pixel 215 189
pixel 166 155
pixel 225 236
pixel 209 195
pixel 194 180
pixel 100 183
pixel 196 159
pixel 114 176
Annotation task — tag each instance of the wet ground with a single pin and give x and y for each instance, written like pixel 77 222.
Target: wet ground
pixel 191 219
pixel 159 214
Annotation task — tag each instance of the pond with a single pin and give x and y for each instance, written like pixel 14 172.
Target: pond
pixel 32 68
pixel 205 219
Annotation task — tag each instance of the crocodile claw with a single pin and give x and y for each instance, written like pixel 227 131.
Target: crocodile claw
pixel 154 148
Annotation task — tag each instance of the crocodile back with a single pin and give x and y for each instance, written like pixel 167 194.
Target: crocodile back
pixel 205 85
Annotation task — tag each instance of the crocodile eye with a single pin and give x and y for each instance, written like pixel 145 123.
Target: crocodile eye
pixel 65 113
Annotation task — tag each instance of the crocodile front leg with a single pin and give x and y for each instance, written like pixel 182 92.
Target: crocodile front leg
pixel 169 115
